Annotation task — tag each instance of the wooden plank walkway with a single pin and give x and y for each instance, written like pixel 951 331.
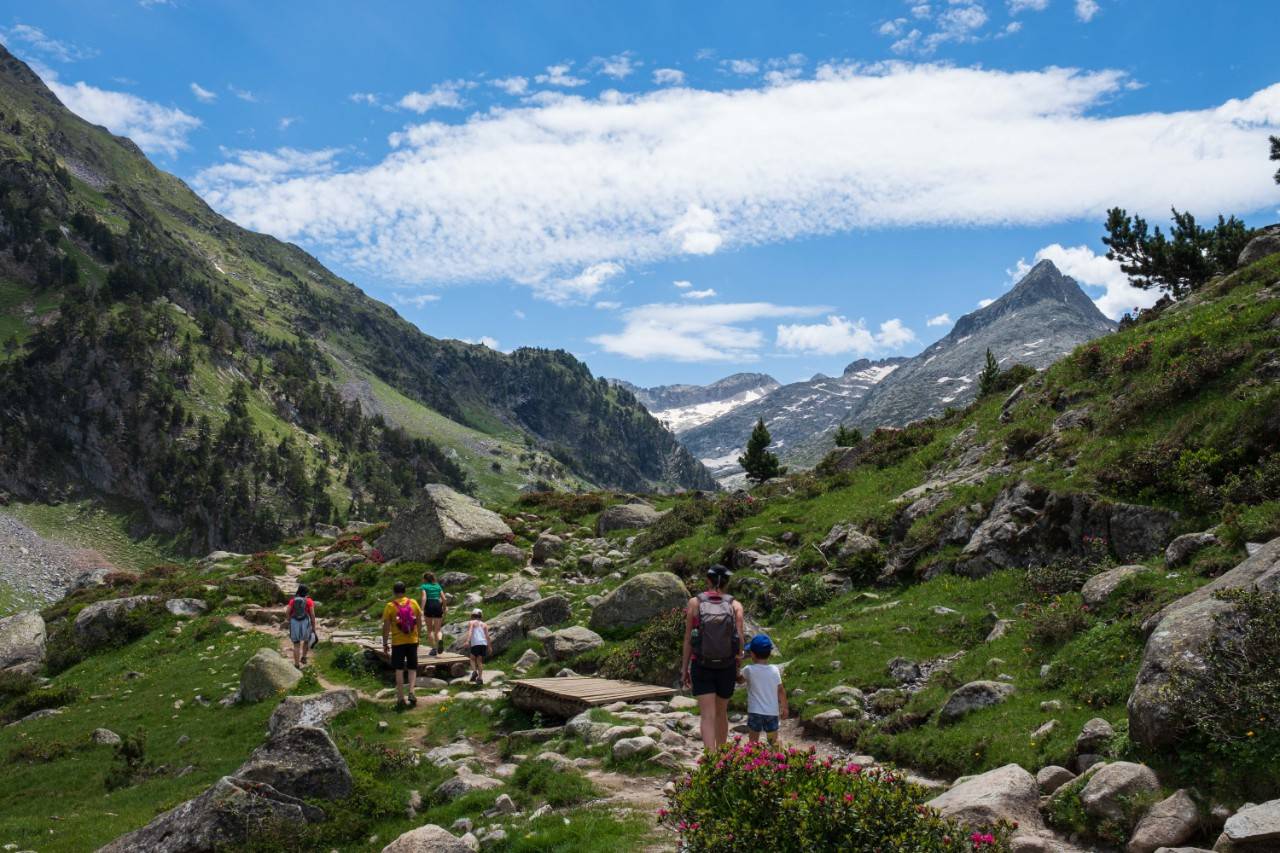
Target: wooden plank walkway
pixel 455 664
pixel 567 697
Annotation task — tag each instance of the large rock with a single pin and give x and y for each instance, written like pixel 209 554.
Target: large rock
pixel 464 783
pixel 1183 548
pixel 1094 736
pixel 1266 243
pixel 317 709
pixel 1099 588
pixel 568 643
pixel 301 761
pixel 1252 830
pixel 266 675
pixel 628 747
pixel 547 546
pixel 438 522
pixel 428 839
pixel 1180 635
pixel 511 626
pixel 507 551
pixel 186 607
pixel 972 696
pixel 846 545
pixel 1006 793
pixel 107 623
pixel 1031 525
pixel 1112 786
pixel 626 517
pixel 22 641
pixel 223 817
pixel 1169 822
pixel 519 588
pixel 1053 777
pixel 638 600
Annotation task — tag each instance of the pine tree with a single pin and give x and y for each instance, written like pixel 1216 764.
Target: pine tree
pixel 989 376
pixel 848 436
pixel 1275 154
pixel 758 462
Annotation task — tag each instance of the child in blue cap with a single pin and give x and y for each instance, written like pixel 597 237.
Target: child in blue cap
pixel 766 697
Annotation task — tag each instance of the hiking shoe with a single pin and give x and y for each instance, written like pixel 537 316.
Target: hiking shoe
pixel 413 700
pixel 431 653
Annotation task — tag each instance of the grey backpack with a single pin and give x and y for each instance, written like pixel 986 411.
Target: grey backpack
pixel 718 641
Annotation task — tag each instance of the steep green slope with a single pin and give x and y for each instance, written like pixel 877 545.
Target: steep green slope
pixel 155 351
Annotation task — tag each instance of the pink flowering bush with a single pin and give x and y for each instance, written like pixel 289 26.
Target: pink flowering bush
pixel 754 797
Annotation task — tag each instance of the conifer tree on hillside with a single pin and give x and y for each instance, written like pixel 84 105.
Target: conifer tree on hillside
pixel 848 436
pixel 1275 154
pixel 758 462
pixel 989 376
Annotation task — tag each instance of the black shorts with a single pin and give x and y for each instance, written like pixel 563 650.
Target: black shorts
pixel 404 656
pixel 434 609
pixel 718 681
pixel 479 651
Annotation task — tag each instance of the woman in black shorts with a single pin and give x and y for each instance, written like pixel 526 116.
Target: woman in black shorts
pixel 712 682
pixel 433 608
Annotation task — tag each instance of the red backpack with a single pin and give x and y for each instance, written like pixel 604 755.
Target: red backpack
pixel 406 619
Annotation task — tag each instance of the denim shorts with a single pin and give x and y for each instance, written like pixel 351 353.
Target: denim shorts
pixel 762 722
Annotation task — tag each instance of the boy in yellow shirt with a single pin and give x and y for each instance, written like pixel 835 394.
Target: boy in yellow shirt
pixel 401 621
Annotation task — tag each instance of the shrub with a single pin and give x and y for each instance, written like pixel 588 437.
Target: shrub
pixel 1012 377
pixel 568 505
pixel 888 446
pixel 18 706
pixel 130 763
pixel 351 659
pixel 266 563
pixel 365 574
pixel 475 562
pixel 652 655
pixel 734 508
pixel 750 797
pixel 119 579
pixel 673 526
pixel 336 589
pixel 1135 357
pixel 1058 621
pixel 559 787
pixel 792 598
pixel 162 571
pixel 1088 360
pixel 1020 441
pixel 39 752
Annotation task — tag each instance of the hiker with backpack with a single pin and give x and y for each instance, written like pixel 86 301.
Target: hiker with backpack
pixel 300 614
pixel 433 610
pixel 477 644
pixel 713 628
pixel 401 622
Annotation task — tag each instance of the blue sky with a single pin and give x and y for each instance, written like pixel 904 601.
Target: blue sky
pixel 677 191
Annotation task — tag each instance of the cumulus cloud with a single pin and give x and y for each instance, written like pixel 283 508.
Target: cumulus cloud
pixel 156 129
pixel 202 94
pixel 511 85
pixel 558 75
pixel 242 167
pixel 244 94
pixel 286 122
pixel 960 21
pixel 619 66
pixel 1086 9
pixel 841 335
pixel 1094 270
pixel 578 288
pixel 548 190
pixel 446 95
pixel 1016 6
pixel 699 294
pixel 716 332
pixel 608 305
pixel 740 66
pixel 35 40
pixel 417 300
pixel 940 320
pixel 367 98
pixel 668 77
pixel 683 285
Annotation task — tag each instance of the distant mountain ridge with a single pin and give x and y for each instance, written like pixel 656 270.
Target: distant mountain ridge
pixel 1042 318
pixel 683 407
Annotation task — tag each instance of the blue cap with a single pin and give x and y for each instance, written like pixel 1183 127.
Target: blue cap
pixel 760 644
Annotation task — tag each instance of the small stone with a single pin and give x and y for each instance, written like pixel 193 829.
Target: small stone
pixel 1053 777
pixel 105 737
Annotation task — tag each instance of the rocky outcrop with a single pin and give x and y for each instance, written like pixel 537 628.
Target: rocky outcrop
pixel 317 709
pixel 266 675
pixel 638 600
pixel 222 817
pixel 465 782
pixel 972 696
pixel 1255 829
pixel 511 626
pixel 568 643
pixel 438 522
pixel 428 839
pixel 519 588
pixel 1184 547
pixel 1113 786
pixel 630 516
pixel 1180 635
pixel 1006 793
pixel 1168 823
pixel 107 623
pixel 1264 244
pixel 301 761
pixel 1030 525
pixel 846 545
pixel 186 607
pixel 22 642
pixel 1098 589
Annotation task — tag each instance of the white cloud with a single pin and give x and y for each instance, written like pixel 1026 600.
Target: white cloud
pixel 699 294
pixel 483 340
pixel 248 168
pixel 367 98
pixel 683 285
pixel 959 22
pixel 1086 9
pixel 518 314
pixel 983 303
pixel 286 122
pixel 695 231
pixel 740 66
pixel 243 94
pixel 558 75
pixel 1016 6
pixel 155 128
pixel 1093 270
pixel 668 77
pixel 695 332
pixel 940 320
pixel 446 95
pixel 37 41
pixel 619 66
pixel 548 190
pixel 578 288
pixel 418 300
pixel 608 305
pixel 893 27
pixel 840 335
pixel 921 11
pixel 512 85
pixel 202 94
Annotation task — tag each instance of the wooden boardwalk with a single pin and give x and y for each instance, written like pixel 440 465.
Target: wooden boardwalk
pixel 453 664
pixel 567 697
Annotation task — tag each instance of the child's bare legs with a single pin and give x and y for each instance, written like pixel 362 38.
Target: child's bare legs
pixel 773 737
pixel 754 736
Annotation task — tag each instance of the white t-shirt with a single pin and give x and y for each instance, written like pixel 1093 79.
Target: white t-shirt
pixel 762 688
